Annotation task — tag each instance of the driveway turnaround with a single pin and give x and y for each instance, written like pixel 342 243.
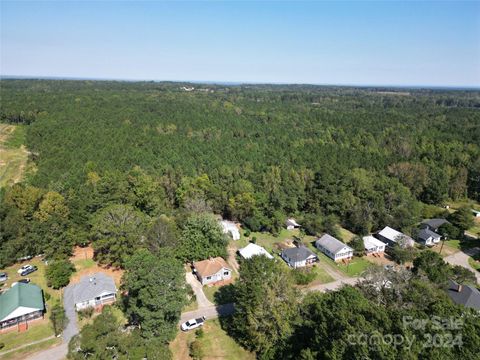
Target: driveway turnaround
pixel 461 258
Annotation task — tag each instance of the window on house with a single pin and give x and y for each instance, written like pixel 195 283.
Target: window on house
pixel 209 277
pixel 226 273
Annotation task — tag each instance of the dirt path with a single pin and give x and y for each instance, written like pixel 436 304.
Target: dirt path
pixel 232 259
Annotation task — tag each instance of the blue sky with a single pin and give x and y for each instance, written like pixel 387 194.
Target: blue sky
pixel 364 43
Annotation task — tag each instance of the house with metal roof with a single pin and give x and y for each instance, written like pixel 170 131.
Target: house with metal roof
pixel 253 250
pixel 333 248
pixel 391 237
pixel 230 228
pixel 297 257
pixel 94 290
pixel 373 246
pixel 292 224
pixel 21 304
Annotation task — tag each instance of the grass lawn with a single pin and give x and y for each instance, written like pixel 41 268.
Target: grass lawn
pixel 22 353
pixel 13 155
pixel 210 291
pixel 38 330
pixel 215 343
pixel 84 264
pixel 345 235
pixel 475 262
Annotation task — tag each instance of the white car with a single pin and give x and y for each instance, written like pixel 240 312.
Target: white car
pixel 193 323
pixel 24 267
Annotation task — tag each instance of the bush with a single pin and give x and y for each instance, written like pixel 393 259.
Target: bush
pixel 196 351
pixel 47 296
pixel 58 273
pixel 86 313
pixel 303 276
pixel 247 233
pixel 2 345
pixel 199 333
pixel 59 319
pixel 254 240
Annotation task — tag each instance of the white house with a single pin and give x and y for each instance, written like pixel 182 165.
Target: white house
pixel 391 237
pixel 428 237
pixel 212 270
pixel 298 257
pixel 372 245
pixel 292 224
pixel 253 250
pixel 95 291
pixel 333 248
pixel 229 227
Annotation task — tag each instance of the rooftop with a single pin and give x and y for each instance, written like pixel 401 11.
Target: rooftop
pixel 211 266
pixel 298 253
pixel 254 250
pixel 331 244
pixel 21 295
pixel 92 286
pixel 467 296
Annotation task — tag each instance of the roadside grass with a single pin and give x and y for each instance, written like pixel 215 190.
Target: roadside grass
pixel 475 262
pixel 215 344
pixel 24 352
pixel 38 330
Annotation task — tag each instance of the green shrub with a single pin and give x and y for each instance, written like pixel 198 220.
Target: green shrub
pixel 47 296
pixel 199 333
pixel 58 273
pixel 247 233
pixel 86 313
pixel 196 351
pixel 303 276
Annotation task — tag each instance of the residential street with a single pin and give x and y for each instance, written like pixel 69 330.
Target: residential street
pixel 461 258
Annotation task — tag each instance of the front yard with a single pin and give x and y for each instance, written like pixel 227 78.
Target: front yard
pixel 40 329
pixel 215 344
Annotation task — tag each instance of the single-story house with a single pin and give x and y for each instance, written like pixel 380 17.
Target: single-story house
pixel 292 224
pixel 253 250
pixel 428 237
pixel 373 245
pixel 212 270
pixel 21 304
pixel 298 257
pixel 333 248
pixel 229 227
pixel 391 237
pixel 433 224
pixel 465 295
pixel 94 290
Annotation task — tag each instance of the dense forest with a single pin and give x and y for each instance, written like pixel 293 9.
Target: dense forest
pixel 138 171
pixel 365 158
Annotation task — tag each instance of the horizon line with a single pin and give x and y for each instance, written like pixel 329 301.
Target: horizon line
pixel 237 83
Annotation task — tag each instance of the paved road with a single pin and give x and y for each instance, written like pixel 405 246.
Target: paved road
pixel 197 288
pixel 210 312
pixel 461 258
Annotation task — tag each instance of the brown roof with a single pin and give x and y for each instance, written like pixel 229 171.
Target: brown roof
pixel 210 266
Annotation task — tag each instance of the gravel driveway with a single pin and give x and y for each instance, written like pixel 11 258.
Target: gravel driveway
pixel 71 330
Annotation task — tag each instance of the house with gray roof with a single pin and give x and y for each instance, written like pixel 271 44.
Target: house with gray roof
pixel 465 295
pixel 333 248
pixel 20 305
pixel 94 290
pixel 433 224
pixel 428 237
pixel 298 257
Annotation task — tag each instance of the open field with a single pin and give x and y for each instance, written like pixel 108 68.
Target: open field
pixel 13 154
pixel 215 343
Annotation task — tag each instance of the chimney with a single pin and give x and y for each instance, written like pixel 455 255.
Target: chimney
pixel 459 288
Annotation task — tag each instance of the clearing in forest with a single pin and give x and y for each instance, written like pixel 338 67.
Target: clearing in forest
pixel 13 154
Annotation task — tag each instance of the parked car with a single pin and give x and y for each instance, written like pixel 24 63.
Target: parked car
pixel 193 323
pixel 24 281
pixel 29 270
pixel 3 277
pixel 23 268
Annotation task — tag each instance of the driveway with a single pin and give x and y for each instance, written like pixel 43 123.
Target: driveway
pixel 461 258
pixel 71 330
pixel 210 312
pixel 334 285
pixel 197 288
